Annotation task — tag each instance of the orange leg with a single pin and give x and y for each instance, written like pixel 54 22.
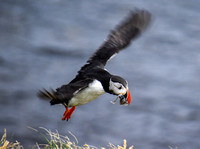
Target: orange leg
pixel 68 113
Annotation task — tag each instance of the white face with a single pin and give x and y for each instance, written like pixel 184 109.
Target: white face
pixel 117 88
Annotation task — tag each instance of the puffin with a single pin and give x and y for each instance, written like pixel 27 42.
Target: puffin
pixel 93 80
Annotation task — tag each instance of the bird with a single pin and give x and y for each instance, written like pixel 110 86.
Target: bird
pixel 93 80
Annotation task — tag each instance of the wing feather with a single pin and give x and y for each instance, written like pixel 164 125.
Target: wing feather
pixel 119 38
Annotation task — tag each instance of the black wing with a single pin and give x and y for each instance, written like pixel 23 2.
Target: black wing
pixel 137 21
pixel 65 92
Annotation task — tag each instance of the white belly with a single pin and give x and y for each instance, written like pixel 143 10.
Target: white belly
pixel 94 90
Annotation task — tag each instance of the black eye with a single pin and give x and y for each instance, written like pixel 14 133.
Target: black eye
pixel 120 87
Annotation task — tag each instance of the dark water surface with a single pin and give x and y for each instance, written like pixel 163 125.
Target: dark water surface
pixel 44 43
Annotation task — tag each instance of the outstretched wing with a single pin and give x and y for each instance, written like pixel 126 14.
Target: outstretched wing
pixel 119 38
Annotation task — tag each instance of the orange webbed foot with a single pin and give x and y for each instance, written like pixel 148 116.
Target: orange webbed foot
pixel 68 113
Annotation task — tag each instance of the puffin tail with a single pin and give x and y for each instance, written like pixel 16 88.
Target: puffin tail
pixel 49 95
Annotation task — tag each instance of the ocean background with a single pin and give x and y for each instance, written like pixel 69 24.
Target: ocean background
pixel 43 43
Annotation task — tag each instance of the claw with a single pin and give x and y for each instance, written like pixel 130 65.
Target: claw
pixel 68 113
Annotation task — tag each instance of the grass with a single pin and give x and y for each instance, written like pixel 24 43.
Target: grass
pixel 55 141
pixel 5 144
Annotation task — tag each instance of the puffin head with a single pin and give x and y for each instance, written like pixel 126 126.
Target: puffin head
pixel 118 86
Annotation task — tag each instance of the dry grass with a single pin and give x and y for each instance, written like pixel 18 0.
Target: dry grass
pixel 55 141
pixel 5 144
pixel 120 147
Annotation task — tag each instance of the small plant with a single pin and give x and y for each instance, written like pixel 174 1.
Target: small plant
pixel 111 146
pixel 5 144
pixel 55 140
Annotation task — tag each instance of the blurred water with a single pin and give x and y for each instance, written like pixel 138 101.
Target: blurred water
pixel 44 43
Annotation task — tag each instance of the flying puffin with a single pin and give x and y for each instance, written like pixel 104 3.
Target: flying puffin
pixel 93 79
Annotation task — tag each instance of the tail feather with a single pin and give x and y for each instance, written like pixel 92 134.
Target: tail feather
pixel 49 95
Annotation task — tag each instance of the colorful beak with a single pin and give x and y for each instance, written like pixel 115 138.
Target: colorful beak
pixel 128 96
pixel 124 99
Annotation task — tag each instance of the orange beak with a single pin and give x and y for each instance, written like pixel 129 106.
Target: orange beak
pixel 128 96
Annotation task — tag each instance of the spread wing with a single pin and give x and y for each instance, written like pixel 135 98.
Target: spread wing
pixel 119 38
